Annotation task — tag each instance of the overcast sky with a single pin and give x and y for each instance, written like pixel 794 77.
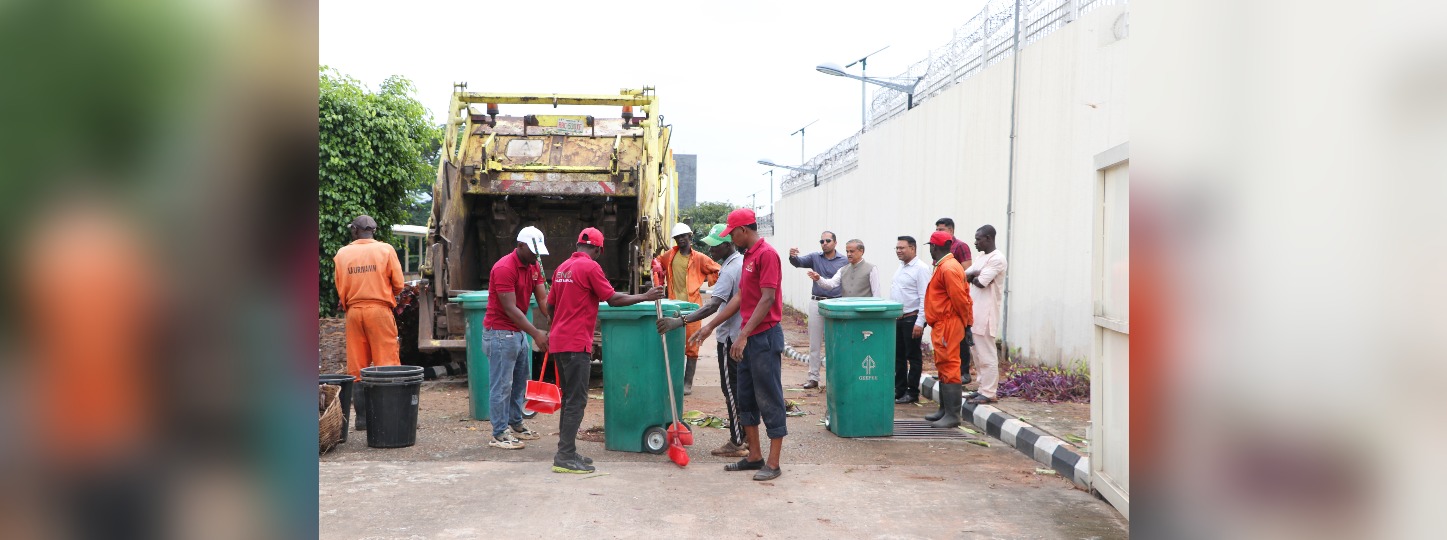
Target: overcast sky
pixel 734 79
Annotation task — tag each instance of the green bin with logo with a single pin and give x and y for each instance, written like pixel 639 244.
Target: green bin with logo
pixel 474 308
pixel 859 335
pixel 635 400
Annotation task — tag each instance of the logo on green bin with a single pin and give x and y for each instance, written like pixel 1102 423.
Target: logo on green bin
pixel 868 365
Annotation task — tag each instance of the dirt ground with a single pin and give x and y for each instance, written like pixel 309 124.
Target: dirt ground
pixel 446 432
pixel 1059 419
pixel 415 492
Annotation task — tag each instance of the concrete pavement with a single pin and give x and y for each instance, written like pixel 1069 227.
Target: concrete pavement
pixel 451 485
pixel 437 500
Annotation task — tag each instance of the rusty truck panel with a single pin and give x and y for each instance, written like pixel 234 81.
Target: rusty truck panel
pixel 558 172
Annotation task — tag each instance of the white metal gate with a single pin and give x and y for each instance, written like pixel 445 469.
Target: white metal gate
pixel 1110 363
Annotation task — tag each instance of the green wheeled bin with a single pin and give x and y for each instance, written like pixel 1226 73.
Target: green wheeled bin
pixel 859 335
pixel 474 308
pixel 635 400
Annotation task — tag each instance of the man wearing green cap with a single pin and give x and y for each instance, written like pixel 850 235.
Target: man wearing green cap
pixel 731 267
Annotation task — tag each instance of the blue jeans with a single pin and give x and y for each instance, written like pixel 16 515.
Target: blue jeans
pixel 507 361
pixel 761 391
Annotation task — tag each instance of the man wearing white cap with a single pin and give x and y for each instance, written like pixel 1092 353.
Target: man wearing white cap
pixel 684 272
pixel 514 279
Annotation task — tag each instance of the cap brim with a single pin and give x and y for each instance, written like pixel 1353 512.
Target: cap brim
pixel 711 241
pixel 538 248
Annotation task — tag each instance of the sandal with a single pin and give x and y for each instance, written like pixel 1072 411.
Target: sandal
pixel 980 399
pixel 745 465
pixel 768 473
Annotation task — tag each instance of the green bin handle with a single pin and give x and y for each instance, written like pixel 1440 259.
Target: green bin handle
pixel 873 308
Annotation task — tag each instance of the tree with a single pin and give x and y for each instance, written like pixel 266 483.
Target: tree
pixel 702 217
pixel 419 200
pixel 372 151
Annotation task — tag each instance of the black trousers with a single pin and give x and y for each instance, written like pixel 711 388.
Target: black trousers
pixel 906 359
pixel 965 344
pixel 728 373
pixel 574 368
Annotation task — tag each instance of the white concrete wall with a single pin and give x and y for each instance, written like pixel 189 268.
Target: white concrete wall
pixel 948 157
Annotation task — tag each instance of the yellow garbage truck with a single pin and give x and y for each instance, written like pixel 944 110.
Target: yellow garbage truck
pixel 560 173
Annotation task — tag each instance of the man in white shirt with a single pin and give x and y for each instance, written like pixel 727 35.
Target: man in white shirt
pixel 908 289
pixel 987 286
pixel 858 279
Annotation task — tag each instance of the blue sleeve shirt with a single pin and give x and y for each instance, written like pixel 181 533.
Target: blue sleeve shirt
pixel 826 269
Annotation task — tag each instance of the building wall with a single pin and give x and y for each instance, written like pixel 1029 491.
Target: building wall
pixel 948 157
pixel 687 165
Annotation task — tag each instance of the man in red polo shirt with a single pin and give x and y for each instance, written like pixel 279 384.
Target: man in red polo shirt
pixel 578 286
pixel 514 279
pixel 759 345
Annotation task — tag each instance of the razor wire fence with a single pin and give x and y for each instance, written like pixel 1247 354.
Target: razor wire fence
pixel 983 41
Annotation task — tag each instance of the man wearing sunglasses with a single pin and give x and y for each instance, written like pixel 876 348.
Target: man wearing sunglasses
pixel 826 262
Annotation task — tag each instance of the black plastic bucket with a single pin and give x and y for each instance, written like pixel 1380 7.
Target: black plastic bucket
pixel 392 411
pixel 345 381
pixel 391 373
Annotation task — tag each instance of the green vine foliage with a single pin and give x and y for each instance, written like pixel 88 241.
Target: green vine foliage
pixel 372 154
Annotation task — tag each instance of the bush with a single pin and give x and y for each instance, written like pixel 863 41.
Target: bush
pixel 1048 384
pixel 373 153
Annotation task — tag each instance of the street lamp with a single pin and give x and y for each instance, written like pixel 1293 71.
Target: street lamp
pixel 814 172
pixel 830 68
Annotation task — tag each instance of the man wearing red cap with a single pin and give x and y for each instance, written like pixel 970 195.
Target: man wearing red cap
pixel 758 347
pixel 948 309
pixel 578 286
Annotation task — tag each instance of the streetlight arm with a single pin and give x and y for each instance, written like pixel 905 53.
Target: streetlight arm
pixel 908 89
pixel 800 169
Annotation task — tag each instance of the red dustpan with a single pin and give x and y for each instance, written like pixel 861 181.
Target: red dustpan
pixel 684 435
pixel 676 431
pixel 543 397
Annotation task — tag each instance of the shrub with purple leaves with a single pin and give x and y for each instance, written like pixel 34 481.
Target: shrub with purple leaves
pixel 1046 384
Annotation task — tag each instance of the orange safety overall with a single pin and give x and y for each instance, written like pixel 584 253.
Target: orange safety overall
pixel 369 278
pixel 948 310
pixel 700 269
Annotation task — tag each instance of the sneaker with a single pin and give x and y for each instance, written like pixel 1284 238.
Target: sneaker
pixel 572 465
pixel 506 442
pixel 522 432
pixel 729 449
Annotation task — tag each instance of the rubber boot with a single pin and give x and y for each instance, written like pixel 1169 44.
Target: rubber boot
pixel 688 376
pixel 950 404
pixel 939 400
pixel 359 399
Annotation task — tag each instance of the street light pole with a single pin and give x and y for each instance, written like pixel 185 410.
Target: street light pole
pixel 771 191
pixel 800 133
pixel 863 88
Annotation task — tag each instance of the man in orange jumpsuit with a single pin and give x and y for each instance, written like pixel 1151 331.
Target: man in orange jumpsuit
pixel 368 277
pixel 947 309
pixel 685 270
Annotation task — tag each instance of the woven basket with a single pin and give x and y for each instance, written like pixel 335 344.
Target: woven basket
pixel 329 431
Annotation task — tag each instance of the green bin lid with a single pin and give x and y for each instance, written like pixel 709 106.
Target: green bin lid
pixel 860 306
pixel 478 300
pixel 471 300
pixel 671 308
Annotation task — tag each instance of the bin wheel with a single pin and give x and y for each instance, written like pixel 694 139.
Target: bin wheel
pixel 529 414
pixel 655 440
